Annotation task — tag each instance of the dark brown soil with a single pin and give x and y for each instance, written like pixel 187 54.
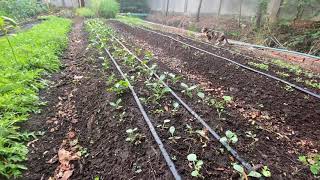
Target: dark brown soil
pixel 79 102
pixel 287 121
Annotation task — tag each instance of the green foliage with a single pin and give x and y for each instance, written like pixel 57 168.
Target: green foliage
pixel 158 89
pixel 85 12
pixel 37 53
pixel 197 165
pixel 313 161
pixel 129 6
pixel 133 136
pixel 21 9
pixel 188 89
pixel 116 105
pixel 105 8
pixel 120 87
pixel 230 137
pixel 259 65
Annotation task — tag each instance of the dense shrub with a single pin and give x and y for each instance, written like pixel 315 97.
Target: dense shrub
pixel 84 12
pixel 105 8
pixel 21 9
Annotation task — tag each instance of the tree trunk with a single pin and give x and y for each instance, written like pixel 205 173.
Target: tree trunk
pixel 275 10
pixel 167 8
pixel 259 15
pixel 220 5
pixel 240 12
pixel 198 12
pixel 185 6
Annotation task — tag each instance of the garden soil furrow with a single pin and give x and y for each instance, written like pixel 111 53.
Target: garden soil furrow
pixel 78 109
pixel 291 113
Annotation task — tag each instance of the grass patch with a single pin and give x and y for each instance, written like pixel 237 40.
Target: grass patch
pixel 105 8
pixel 37 52
pixel 259 65
pixel 85 12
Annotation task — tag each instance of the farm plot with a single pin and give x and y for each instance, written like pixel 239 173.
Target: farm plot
pixel 260 112
pixel 254 137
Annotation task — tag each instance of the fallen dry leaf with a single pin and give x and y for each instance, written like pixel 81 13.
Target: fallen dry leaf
pixel 67 174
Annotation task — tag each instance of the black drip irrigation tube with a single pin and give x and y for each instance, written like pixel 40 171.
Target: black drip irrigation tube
pixel 239 64
pixel 148 121
pixel 212 132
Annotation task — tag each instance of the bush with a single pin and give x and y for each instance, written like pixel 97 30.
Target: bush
pixel 21 9
pixel 105 8
pixel 84 12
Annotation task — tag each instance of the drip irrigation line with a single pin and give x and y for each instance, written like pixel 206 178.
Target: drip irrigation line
pixel 239 64
pixel 148 121
pixel 212 132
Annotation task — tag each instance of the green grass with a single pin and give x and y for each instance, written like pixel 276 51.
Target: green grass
pixel 85 12
pixel 259 65
pixel 37 53
pixel 105 8
pixel 132 21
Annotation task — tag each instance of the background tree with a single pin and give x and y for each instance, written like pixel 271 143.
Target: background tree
pixel 198 11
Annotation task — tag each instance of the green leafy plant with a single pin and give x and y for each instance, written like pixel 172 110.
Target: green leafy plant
pixel 176 107
pixel 164 124
pixel 5 25
pixel 120 87
pixel 173 78
pixel 116 105
pixel 105 8
pixel 85 12
pixel 133 136
pixel 230 137
pixel 219 105
pixel 313 161
pixel 259 65
pixel 173 137
pixel 197 165
pixel 188 90
pixel 158 89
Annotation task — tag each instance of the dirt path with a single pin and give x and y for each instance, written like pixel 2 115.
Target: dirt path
pixel 84 137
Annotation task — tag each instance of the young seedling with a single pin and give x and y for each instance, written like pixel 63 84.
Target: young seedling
pixel 201 95
pixel 313 161
pixel 288 88
pixel 133 136
pixel 116 105
pixel 188 90
pixel 148 55
pixel 218 105
pixel 189 129
pixel 230 137
pixel 173 137
pixel 120 87
pixel 176 107
pixel 173 78
pixel 197 165
pixel 158 89
pixel 164 124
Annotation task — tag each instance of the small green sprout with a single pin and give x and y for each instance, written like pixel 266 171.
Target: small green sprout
pixel 289 88
pixel 176 107
pixel 259 65
pixel 173 137
pixel 120 87
pixel 164 124
pixel 133 136
pixel 197 165
pixel 188 90
pixel 116 105
pixel 313 161
pixel 230 137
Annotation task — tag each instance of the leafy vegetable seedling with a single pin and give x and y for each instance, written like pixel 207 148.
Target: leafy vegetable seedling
pixel 176 107
pixel 133 136
pixel 164 124
pixel 120 87
pixel 197 165
pixel 116 105
pixel 188 90
pixel 313 161
pixel 172 131
pixel 230 137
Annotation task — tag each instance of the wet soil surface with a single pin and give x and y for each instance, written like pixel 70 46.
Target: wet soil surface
pixel 79 119
pixel 286 123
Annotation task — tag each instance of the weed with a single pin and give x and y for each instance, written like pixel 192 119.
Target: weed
pixel 173 137
pixel 197 165
pixel 313 161
pixel 230 137
pixel 116 105
pixel 188 90
pixel 259 65
pixel 133 136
